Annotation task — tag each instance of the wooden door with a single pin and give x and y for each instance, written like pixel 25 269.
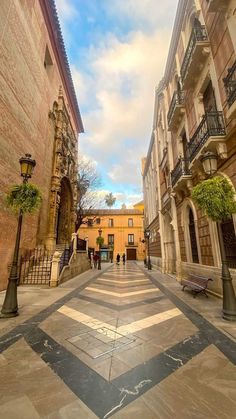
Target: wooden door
pixel 131 254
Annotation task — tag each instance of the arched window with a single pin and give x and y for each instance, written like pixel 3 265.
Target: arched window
pixel 193 238
pixel 229 240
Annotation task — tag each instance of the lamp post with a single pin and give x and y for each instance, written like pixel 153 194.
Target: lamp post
pixel 10 305
pixel 99 260
pixel 147 236
pixel 209 162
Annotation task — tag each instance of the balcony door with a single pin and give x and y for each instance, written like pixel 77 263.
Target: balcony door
pixel 193 238
pixel 209 100
pixel 185 145
pixel 229 240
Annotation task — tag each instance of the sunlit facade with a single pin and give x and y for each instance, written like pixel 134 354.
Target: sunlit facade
pixel 195 110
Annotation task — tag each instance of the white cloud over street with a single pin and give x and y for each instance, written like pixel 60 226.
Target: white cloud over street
pixel 115 82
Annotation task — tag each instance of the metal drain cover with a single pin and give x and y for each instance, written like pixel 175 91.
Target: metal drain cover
pixel 100 341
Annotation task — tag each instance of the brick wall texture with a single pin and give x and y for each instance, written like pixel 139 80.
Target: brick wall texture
pixel 27 93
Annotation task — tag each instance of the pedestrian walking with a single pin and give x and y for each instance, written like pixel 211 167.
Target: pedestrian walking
pixel 91 259
pixel 95 260
pixel 118 259
pixel 123 258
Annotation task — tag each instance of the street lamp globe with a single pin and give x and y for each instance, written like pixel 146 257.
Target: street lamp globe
pixel 209 162
pixel 27 166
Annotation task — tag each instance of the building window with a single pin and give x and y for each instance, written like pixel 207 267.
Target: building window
pixel 110 239
pixel 110 222
pixel 193 238
pixel 90 222
pixel 130 222
pixel 98 220
pixel 229 240
pixel 130 238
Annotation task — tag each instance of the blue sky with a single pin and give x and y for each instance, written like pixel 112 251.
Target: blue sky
pixel 117 51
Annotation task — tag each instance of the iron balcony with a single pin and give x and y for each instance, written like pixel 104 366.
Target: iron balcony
pixel 211 127
pixel 195 56
pixel 181 171
pixel 176 108
pixel 230 84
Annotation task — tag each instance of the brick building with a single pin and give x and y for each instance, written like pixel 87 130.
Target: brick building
pixel 122 230
pixel 194 113
pixel 40 116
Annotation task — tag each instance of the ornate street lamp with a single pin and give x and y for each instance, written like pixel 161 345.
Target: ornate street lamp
pixel 10 305
pixel 209 162
pixel 147 234
pixel 99 260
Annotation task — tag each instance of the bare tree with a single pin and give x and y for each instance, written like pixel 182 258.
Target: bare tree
pixel 110 199
pixel 89 182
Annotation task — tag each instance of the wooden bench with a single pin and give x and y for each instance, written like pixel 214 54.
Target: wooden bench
pixel 196 283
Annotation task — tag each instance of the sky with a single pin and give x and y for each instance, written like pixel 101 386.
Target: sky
pixel 117 50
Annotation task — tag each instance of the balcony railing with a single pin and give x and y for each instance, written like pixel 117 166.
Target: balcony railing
pixel 134 244
pixel 211 125
pixel 181 169
pixel 177 100
pixel 199 34
pixel 230 84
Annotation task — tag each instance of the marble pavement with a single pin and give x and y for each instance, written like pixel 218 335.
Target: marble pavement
pixel 123 342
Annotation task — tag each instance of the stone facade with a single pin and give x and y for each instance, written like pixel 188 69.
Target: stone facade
pixel 195 112
pixel 40 116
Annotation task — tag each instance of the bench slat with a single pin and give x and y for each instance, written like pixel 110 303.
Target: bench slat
pixel 196 283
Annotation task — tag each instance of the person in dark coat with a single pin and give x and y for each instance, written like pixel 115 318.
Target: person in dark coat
pixel 118 259
pixel 123 258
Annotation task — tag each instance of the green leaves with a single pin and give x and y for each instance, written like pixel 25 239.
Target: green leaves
pixel 99 241
pixel 216 197
pixel 25 197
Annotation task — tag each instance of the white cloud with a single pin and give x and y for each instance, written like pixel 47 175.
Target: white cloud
pixel 66 9
pixel 115 80
pixel 149 12
pixel 119 96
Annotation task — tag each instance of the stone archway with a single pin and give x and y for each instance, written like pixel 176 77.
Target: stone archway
pixel 65 213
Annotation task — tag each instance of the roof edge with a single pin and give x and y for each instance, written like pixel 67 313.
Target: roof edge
pixel 49 11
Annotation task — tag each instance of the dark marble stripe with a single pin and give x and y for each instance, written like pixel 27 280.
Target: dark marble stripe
pixel 97 393
pixel 122 286
pixel 123 306
pixel 214 335
pixel 20 330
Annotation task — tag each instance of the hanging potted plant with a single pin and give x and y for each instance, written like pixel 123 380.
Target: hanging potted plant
pixel 25 198
pixel 216 198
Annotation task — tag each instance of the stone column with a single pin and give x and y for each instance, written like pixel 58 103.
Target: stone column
pixel 55 271
pixel 74 239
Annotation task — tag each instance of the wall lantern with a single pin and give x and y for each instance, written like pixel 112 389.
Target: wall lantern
pixel 27 166
pixel 209 162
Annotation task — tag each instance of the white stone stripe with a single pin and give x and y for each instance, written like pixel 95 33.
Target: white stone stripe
pixel 123 282
pixel 123 330
pixel 120 295
pixel 149 321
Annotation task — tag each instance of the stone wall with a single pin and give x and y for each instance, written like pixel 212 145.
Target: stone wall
pixel 29 86
pixel 79 264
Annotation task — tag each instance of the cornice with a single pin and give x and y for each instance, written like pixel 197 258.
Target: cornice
pixel 182 5
pixel 50 15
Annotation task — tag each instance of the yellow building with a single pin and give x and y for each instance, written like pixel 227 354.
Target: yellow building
pixel 122 231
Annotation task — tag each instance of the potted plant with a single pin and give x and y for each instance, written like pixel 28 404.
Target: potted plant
pixel 216 198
